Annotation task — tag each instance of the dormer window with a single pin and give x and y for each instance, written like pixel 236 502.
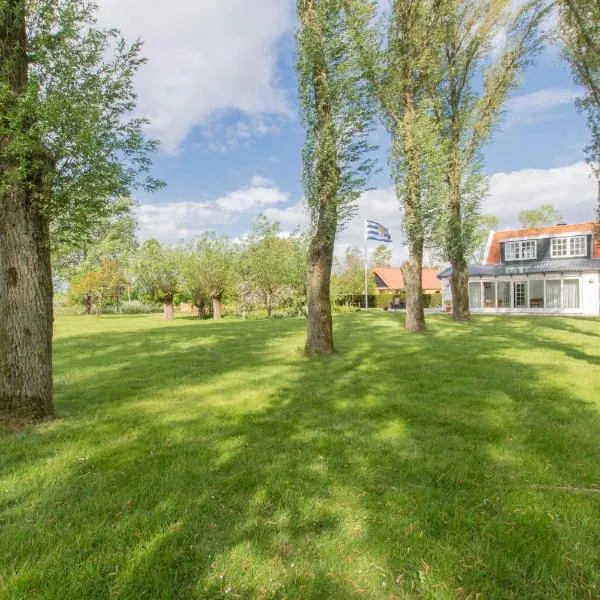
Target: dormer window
pixel 521 250
pixel 569 246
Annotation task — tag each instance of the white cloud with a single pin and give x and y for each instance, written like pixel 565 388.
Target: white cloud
pixel 171 222
pixel 206 57
pixel 256 197
pixel 291 218
pixel 537 105
pixel 571 189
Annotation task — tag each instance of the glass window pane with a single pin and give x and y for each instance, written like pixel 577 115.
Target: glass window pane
pixel 489 294
pixel 520 293
pixel 571 293
pixel 536 293
pixel 577 246
pixel 504 294
pixel 475 295
pixel 553 293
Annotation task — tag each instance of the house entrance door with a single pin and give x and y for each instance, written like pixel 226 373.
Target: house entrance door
pixel 520 294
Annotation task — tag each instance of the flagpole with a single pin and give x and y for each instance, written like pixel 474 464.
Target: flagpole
pixel 366 271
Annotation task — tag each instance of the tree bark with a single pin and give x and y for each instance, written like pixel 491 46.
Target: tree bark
pixel 268 306
pixel 412 273
pixel 217 307
pixel 87 301
pixel 319 339
pixel 25 273
pixel 168 308
pixel 459 280
pixel 412 269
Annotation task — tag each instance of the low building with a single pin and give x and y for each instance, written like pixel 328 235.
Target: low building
pixel 390 281
pixel 551 270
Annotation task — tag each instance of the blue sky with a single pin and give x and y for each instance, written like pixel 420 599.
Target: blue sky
pixel 221 93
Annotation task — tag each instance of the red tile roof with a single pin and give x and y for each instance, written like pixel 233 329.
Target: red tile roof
pixel 394 280
pixel 493 256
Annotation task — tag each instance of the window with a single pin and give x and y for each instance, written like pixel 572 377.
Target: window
pixel 475 295
pixel 536 293
pixel 520 291
pixel 504 294
pixel 559 247
pixel 577 246
pixel 489 294
pixel 571 293
pixel 569 246
pixel 553 293
pixel 520 250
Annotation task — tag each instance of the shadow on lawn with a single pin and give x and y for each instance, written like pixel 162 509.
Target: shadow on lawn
pixel 402 467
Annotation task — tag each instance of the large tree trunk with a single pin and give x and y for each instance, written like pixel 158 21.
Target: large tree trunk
pixel 217 307
pixel 25 273
pixel 459 280
pixel 412 273
pixel 168 311
pixel 87 301
pixel 412 269
pixel 319 339
pixel 459 284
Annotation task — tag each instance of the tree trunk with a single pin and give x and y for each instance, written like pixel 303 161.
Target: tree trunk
pixel 268 306
pixel 414 221
pixel 87 301
pixel 459 280
pixel 217 307
pixel 327 174
pixel 459 284
pixel 319 339
pixel 168 308
pixel 25 273
pixel 412 273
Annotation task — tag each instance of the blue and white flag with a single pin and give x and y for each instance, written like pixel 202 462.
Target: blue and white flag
pixel 376 231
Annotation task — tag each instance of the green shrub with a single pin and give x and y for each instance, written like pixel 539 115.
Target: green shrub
pixel 435 300
pixel 135 307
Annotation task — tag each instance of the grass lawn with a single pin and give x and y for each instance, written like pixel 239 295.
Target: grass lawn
pixel 212 460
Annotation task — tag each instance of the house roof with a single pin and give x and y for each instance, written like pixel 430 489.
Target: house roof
pixel 493 254
pixel 567 265
pixel 394 280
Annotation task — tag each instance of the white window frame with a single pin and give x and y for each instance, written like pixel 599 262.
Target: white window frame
pixel 524 248
pixel 567 243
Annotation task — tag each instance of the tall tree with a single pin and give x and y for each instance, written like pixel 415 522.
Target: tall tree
pixel 267 260
pixel 158 273
pixel 100 286
pixel 545 215
pixel 216 267
pixel 485 225
pixel 580 35
pixel 68 148
pixel 396 56
pixel 382 256
pixel 470 86
pixel 336 114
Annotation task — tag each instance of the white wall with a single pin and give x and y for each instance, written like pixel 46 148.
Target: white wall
pixel 591 294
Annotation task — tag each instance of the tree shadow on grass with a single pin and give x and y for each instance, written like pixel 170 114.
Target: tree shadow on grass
pixel 400 468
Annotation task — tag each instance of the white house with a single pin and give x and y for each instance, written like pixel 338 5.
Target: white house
pixel 551 270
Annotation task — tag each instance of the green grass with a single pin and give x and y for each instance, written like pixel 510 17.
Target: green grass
pixel 212 460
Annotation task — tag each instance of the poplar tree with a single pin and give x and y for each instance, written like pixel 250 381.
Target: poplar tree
pixel 579 31
pixel 396 57
pixel 483 47
pixel 68 148
pixel 336 113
